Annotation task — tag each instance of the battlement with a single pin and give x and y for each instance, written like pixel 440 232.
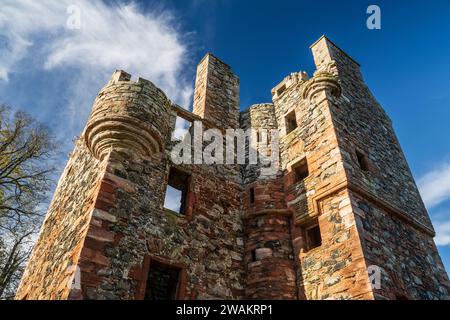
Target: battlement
pixel 261 106
pixel 121 77
pixel 288 82
pixel 259 116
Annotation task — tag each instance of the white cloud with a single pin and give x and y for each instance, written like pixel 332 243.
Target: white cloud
pixel 442 233
pixel 3 73
pixel 434 186
pixel 121 37
pixel 110 37
pixel 18 21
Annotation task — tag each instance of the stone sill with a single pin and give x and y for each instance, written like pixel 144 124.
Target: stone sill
pixel 174 214
pixel 304 253
pixel 291 135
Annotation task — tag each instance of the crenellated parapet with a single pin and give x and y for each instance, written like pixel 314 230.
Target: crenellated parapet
pixel 128 117
pixel 295 78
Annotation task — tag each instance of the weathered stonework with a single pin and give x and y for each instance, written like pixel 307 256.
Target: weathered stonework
pixel 65 228
pixel 242 235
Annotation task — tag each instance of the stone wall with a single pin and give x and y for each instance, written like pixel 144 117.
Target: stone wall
pixel 270 264
pixel 314 140
pixel 337 269
pixel 55 256
pixel 394 226
pixel 116 217
pixel 216 95
pixel 269 256
pixel 362 124
pixel 208 245
pixel 408 259
pixel 205 243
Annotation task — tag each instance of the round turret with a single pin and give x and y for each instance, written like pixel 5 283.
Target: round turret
pixel 128 117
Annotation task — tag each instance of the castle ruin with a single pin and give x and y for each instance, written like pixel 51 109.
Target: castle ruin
pixel 342 218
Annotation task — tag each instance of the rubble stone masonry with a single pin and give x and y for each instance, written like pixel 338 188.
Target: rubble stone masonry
pixel 342 203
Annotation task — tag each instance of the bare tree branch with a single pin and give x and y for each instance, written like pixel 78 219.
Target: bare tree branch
pixel 25 181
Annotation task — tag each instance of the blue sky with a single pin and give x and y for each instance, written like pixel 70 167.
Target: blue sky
pixel 55 72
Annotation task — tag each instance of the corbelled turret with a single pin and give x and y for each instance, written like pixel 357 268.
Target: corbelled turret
pixel 128 117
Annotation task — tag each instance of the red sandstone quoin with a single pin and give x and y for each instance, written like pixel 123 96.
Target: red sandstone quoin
pixel 344 201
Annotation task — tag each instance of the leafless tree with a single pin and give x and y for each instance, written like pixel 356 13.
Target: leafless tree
pixel 15 248
pixel 26 150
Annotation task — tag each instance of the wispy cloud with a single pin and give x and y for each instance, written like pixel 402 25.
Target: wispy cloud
pixel 118 36
pixel 435 185
pixel 442 233
pixel 109 37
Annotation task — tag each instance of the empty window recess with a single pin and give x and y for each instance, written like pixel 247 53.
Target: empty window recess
pixel 313 237
pixel 253 255
pixel 177 190
pixel 291 122
pixel 301 170
pixel 162 282
pixel 363 162
pixel 252 195
pixel 281 90
pixel 182 127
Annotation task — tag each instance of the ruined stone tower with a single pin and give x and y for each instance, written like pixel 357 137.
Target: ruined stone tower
pixel 342 209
